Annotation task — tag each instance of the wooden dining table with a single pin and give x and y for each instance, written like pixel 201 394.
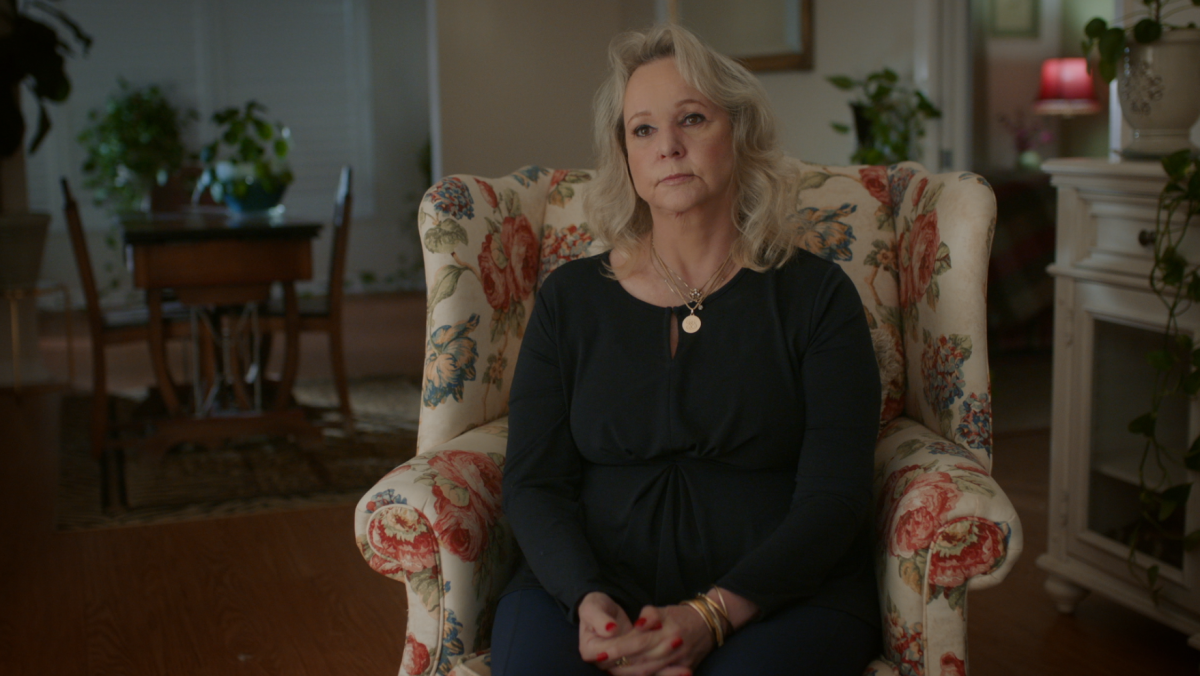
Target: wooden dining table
pixel 213 262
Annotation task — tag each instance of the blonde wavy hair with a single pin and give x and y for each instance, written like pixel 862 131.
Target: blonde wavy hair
pixel 763 176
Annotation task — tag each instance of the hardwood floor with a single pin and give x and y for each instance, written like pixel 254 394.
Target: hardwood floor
pixel 289 594
pixel 1015 629
pixel 271 594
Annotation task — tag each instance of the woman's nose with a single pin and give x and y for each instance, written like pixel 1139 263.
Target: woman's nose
pixel 670 144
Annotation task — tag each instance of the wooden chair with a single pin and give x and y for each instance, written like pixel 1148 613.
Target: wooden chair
pixel 115 327
pixel 323 314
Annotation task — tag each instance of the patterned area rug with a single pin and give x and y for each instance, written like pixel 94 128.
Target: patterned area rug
pixel 252 475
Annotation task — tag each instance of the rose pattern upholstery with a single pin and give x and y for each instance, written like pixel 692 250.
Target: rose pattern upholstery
pixel 916 246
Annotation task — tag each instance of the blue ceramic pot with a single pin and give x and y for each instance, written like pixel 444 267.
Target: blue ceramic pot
pixel 254 199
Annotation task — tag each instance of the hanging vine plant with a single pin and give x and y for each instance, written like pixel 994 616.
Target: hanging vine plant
pixel 1176 282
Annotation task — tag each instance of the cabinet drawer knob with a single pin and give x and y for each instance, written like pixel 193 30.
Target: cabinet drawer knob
pixel 1146 237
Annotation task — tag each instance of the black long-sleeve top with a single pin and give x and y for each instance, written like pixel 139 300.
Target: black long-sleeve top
pixel 743 461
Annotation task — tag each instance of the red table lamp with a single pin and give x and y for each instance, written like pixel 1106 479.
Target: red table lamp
pixel 1067 88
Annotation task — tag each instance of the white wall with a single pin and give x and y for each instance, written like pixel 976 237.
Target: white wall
pixel 517 77
pixel 516 80
pixel 388 245
pixel 349 77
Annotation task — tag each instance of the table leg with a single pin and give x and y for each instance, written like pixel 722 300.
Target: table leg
pixel 14 312
pixel 70 336
pixel 235 371
pixel 291 353
pixel 197 386
pixel 158 351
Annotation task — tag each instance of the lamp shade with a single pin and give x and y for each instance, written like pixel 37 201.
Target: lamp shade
pixel 1067 88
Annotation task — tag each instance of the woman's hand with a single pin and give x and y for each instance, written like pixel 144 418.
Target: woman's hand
pixel 664 641
pixel 601 619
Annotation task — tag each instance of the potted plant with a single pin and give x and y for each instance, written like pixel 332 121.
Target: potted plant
pixel 889 118
pixel 133 143
pixel 1157 68
pixel 1028 136
pixel 253 175
pixel 33 54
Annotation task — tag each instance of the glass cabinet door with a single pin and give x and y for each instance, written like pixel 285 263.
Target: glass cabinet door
pixel 1122 384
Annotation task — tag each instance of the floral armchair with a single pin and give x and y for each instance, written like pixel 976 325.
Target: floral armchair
pixel 916 246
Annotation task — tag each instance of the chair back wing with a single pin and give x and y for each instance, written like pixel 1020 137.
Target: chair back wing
pixel 944 249
pixel 342 213
pixel 915 244
pixel 83 260
pixel 487 244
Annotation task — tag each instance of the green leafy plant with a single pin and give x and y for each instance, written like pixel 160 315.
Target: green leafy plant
pixel 253 171
pixel 133 142
pixel 1176 281
pixel 34 54
pixel 889 117
pixel 1110 41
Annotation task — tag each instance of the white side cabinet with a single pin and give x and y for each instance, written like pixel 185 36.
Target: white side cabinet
pixel 1106 320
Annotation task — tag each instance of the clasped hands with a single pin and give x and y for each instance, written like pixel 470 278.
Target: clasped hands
pixel 663 641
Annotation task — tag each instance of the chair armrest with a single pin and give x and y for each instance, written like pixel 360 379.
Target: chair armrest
pixel 944 526
pixel 435 523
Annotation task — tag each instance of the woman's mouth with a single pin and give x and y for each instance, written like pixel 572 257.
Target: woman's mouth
pixel 675 179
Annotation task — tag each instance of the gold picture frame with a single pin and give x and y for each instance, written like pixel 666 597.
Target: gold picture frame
pixel 1013 18
pixel 763 35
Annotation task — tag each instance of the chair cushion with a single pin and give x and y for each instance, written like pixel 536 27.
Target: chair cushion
pixel 479 664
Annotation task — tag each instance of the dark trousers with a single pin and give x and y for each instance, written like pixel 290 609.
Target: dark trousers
pixel 532 637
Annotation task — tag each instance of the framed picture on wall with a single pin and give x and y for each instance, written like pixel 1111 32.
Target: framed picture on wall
pixel 762 34
pixel 1013 19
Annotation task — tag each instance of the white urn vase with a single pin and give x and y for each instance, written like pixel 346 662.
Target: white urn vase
pixel 22 240
pixel 1158 85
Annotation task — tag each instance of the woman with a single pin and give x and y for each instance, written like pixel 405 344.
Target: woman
pixel 693 415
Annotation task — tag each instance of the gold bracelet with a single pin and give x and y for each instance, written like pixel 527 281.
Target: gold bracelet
pixel 724 608
pixel 713 623
pixel 713 617
pixel 718 617
pixel 720 610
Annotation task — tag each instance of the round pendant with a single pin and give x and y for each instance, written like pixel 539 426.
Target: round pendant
pixel 691 323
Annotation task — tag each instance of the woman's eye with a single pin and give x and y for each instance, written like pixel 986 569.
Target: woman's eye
pixel 693 118
pixel 641 130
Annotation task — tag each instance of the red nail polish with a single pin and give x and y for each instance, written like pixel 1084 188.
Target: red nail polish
pixel 610 626
pixel 641 621
pixel 601 657
pixel 656 627
pixel 676 642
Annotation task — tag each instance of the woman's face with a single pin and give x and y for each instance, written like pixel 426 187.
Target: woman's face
pixel 678 143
